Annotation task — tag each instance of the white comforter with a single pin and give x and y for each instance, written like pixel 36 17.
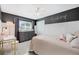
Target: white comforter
pixel 50 45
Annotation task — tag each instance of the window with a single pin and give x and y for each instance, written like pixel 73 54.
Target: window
pixel 25 26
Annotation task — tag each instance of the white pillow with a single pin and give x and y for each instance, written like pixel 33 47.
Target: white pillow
pixel 69 37
pixel 75 43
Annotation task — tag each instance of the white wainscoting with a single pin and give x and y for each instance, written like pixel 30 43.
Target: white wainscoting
pixel 57 28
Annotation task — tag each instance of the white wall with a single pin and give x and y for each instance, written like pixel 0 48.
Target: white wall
pixel 58 28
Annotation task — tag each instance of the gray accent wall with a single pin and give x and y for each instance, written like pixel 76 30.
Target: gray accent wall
pixel 66 16
pixel 21 36
pixel 0 20
pixel 60 23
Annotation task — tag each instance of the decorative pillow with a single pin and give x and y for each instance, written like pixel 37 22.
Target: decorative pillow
pixel 75 43
pixel 62 37
pixel 70 37
pixel 76 34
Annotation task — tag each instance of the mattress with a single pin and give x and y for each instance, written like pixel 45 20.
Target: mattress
pixel 45 45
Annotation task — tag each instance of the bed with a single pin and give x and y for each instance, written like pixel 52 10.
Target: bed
pixel 46 45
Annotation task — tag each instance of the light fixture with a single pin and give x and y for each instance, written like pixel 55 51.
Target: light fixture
pixel 37 12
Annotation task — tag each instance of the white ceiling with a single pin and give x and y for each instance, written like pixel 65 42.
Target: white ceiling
pixel 30 10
